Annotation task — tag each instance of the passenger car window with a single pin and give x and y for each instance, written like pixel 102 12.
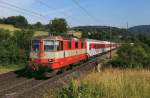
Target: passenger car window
pixel 69 44
pixel 82 44
pixel 76 44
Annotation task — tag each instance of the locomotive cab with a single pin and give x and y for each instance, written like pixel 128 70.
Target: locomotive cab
pixel 43 52
pixel 48 45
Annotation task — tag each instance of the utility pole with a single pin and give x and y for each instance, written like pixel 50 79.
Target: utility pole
pixel 110 35
pixel 127 27
pixel 127 30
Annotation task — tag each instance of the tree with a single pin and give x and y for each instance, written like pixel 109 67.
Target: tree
pixel 18 21
pixel 15 48
pixel 58 25
pixel 38 25
pixel 132 56
pixel 2 20
pixel 23 39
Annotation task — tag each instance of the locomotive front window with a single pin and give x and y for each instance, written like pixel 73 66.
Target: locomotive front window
pixel 49 45
pixel 35 45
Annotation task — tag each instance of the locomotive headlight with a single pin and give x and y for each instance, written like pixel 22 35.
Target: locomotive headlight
pixel 50 60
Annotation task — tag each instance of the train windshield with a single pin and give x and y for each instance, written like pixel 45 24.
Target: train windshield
pixel 35 45
pixel 49 45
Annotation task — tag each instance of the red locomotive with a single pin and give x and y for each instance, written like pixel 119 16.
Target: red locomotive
pixel 57 52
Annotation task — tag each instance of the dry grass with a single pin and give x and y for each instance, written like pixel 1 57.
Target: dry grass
pixel 8 27
pixel 41 33
pixel 11 28
pixel 111 83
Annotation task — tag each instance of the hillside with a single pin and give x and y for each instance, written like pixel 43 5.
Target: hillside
pixel 106 29
pixel 141 29
pixel 40 33
pixel 11 28
pixel 101 32
pixel 8 27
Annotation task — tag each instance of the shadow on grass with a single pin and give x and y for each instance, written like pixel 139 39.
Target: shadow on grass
pixel 30 74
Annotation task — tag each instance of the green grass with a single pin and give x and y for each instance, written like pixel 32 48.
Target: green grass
pixel 8 27
pixel 111 83
pixel 8 68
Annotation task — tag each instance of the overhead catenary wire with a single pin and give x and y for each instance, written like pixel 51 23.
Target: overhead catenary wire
pixel 19 11
pixel 22 9
pixel 45 4
pixel 86 12
pixel 50 7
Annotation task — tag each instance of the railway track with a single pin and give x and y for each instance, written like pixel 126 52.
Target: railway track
pixel 30 88
pixel 6 76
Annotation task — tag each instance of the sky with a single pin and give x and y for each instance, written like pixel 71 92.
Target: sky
pixel 100 12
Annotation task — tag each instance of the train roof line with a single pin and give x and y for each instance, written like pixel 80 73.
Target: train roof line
pixel 67 38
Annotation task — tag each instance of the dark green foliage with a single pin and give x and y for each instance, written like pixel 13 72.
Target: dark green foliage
pixel 21 22
pixel 133 56
pixel 14 48
pixel 58 25
pixel 2 20
pixel 38 26
pixel 23 39
pixel 85 90
pixel 71 92
pixel 17 21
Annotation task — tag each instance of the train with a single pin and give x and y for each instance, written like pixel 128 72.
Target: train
pixel 58 52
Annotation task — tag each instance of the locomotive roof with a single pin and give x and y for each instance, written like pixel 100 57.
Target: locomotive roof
pixel 58 38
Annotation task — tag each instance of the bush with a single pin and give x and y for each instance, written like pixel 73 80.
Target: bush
pixel 14 48
pixel 132 56
pixel 85 90
pixel 71 92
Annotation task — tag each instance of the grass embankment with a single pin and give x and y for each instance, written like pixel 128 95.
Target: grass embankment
pixel 41 33
pixel 111 83
pixel 11 28
pixel 8 68
pixel 8 27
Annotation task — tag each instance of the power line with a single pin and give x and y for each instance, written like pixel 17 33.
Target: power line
pixel 81 7
pixel 50 7
pixel 2 6
pixel 45 4
pixel 25 10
